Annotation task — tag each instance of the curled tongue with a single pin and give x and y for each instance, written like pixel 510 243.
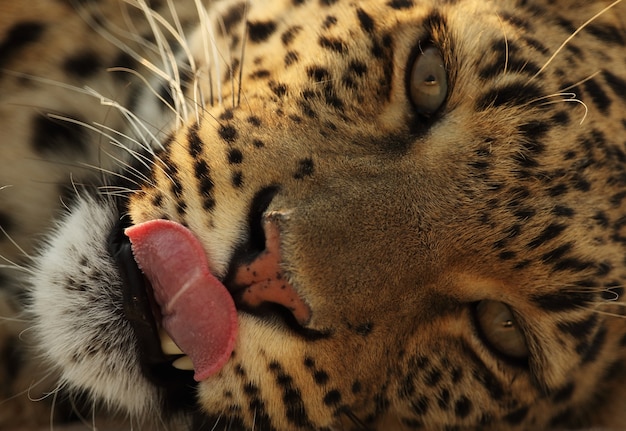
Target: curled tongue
pixel 197 310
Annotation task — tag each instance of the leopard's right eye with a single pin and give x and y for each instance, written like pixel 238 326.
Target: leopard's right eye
pixel 428 82
pixel 500 329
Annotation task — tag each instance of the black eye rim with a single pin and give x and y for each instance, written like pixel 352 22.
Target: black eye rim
pixel 517 362
pixel 421 118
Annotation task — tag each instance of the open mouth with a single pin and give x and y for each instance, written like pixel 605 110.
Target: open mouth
pixel 168 289
pixel 141 311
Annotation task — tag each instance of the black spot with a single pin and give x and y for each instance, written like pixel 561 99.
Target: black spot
pixel 357 67
pixel 612 292
pixel 516 416
pixel 228 133
pixel 562 301
pixel 557 190
pixel 194 141
pixel 572 264
pixel 551 232
pixel 563 211
pixel 260 31
pixel 564 394
pixel 232 17
pixel 618 85
pixel 513 94
pixel 366 21
pixel 443 399
pixel 292 399
pixel 254 120
pixel 318 74
pixel 579 329
pixel 562 418
pixel 561 118
pixel 433 377
pixel 617 198
pixel 534 43
pixel 357 387
pixel 237 179
pixel 333 44
pixel 598 96
pixel 400 4
pixel 278 88
pixel 258 143
pixel 329 22
pixel 332 397
pixel 364 329
pixel 260 74
pixel 533 131
pixel 515 20
pixel 507 255
pixel 289 35
pixel 83 64
pixel 205 184
pixel 593 350
pixel 307 109
pixel 157 200
pixel 462 407
pixel 235 156
pixel 607 33
pixel 53 136
pixel 290 58
pixel 320 377
pixel 555 255
pixel 227 115
pixel 17 38
pixel 420 406
pixel 412 423
pixel 305 168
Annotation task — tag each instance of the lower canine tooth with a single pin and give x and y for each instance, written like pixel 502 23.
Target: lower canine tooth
pixel 168 346
pixel 183 363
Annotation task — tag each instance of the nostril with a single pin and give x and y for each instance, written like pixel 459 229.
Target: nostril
pixel 262 280
pixel 256 234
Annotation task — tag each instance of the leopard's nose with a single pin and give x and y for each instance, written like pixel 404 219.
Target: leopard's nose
pixel 262 281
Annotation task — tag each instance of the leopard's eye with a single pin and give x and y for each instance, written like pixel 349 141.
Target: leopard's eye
pixel 428 84
pixel 500 329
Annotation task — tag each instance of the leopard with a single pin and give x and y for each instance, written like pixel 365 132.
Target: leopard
pixel 313 214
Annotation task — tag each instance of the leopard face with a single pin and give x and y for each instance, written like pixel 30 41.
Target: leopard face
pixel 440 186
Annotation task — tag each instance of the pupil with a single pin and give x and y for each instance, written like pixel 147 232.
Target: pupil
pixel 430 80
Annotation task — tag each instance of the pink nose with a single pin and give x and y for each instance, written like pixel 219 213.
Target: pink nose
pixel 264 280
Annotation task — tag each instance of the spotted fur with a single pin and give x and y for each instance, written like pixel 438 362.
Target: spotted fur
pixel 400 220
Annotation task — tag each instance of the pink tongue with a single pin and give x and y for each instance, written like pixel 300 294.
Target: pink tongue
pixel 198 312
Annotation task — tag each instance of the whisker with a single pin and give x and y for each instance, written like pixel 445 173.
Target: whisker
pixel 152 90
pixel 354 419
pixel 208 42
pixel 133 121
pixel 571 36
pixel 15 244
pixel 244 42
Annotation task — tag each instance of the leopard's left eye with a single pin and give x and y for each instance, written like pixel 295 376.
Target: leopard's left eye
pixel 428 82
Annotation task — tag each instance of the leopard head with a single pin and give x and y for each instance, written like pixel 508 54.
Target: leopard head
pixel 415 207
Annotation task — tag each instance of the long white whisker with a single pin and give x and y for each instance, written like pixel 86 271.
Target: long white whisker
pixel 135 123
pixel 571 36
